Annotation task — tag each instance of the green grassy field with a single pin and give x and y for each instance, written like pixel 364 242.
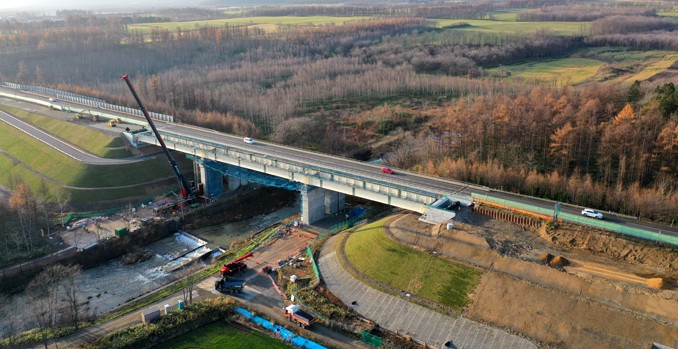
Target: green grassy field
pixel 657 65
pixel 591 65
pixel 509 26
pixel 220 335
pixel 81 136
pixel 566 71
pixel 53 164
pixel 371 251
pixel 269 24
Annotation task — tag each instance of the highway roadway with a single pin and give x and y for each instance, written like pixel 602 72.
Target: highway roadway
pixel 364 169
pixel 61 145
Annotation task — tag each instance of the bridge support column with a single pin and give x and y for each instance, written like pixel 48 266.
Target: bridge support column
pixel 312 204
pixel 333 201
pixel 212 181
pixel 235 183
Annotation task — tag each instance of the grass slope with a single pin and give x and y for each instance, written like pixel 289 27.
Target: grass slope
pixel 68 171
pixel 221 335
pixel 269 24
pixel 509 26
pixel 448 283
pixel 81 136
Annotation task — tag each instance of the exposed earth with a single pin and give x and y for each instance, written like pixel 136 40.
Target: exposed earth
pixel 601 299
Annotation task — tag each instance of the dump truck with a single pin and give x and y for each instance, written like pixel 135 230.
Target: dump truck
pixel 295 314
pixel 229 285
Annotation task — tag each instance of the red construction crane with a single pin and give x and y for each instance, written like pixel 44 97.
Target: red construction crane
pixel 185 189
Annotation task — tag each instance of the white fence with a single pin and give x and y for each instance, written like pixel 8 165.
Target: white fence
pixel 92 102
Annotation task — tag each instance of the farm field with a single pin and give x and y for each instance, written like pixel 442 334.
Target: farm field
pixel 591 65
pixel 83 137
pixel 372 252
pixel 567 71
pixel 269 24
pixel 221 335
pixel 509 27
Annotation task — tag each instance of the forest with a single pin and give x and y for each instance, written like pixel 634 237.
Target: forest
pixel 394 85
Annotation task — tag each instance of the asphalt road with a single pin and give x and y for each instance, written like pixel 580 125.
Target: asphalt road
pixel 368 170
pixel 61 145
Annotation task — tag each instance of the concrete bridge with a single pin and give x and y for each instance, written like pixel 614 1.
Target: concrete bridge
pixel 322 180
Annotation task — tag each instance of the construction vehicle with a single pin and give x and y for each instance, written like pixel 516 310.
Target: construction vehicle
pixel 235 266
pixel 112 123
pixel 229 285
pixel 185 189
pixel 295 314
pixel 83 113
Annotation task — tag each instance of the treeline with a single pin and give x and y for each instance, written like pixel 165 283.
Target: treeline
pixel 635 32
pixel 22 217
pixel 632 24
pixel 592 146
pixel 456 59
pixel 452 11
pixel 581 13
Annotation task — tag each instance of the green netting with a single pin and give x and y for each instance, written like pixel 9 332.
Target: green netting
pixel 656 236
pixel 370 339
pixel 315 267
pixel 77 215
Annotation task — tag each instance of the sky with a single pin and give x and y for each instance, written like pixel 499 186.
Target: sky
pixel 88 4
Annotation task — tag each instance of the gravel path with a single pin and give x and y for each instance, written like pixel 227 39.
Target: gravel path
pixel 398 315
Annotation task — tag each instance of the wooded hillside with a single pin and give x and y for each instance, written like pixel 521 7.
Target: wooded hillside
pixel 396 80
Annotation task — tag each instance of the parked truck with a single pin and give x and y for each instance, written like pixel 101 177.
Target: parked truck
pixel 294 313
pixel 235 266
pixel 229 285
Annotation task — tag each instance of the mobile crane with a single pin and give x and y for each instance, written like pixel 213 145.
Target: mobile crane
pixel 186 191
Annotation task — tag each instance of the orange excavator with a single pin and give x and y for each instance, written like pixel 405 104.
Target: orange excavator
pixel 235 265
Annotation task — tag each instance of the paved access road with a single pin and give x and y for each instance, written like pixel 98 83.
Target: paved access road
pixel 396 314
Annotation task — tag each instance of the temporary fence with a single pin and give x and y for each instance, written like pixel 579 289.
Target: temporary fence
pixel 315 266
pixel 370 339
pixel 656 236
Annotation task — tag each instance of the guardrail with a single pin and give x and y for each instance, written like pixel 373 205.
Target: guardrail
pixel 656 236
pixel 84 100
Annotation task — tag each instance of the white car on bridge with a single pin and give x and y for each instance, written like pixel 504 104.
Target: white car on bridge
pixel 591 213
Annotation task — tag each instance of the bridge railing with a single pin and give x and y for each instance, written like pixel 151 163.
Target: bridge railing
pixel 656 236
pixel 84 100
pixel 208 145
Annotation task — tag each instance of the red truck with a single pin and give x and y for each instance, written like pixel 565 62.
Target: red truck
pixel 294 313
pixel 235 265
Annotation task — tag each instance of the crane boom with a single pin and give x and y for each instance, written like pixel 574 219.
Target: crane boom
pixel 185 189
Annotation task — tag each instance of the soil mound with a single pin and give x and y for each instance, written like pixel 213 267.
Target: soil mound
pixel 545 258
pixel 656 283
pixel 559 262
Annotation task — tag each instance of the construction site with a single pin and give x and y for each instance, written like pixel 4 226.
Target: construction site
pixel 543 282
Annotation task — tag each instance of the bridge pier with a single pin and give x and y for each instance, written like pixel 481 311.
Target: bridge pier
pixel 212 181
pixel 316 202
pixel 334 201
pixel 235 182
